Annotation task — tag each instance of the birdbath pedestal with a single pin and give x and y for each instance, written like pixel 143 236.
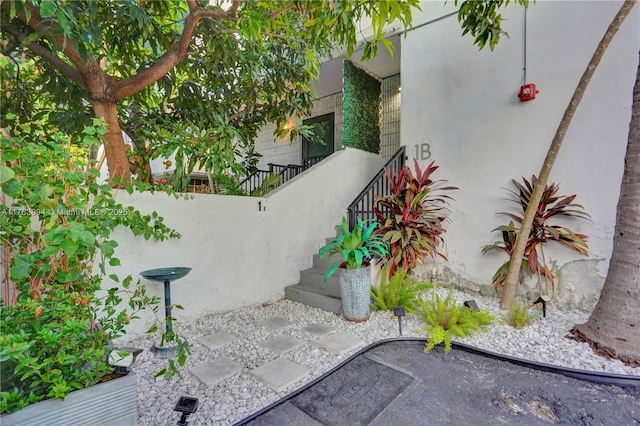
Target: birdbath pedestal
pixel 165 275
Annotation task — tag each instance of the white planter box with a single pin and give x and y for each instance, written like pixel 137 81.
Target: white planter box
pixel 109 403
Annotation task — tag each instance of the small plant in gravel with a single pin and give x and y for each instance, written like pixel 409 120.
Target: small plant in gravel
pixel 401 290
pixel 444 318
pixel 518 315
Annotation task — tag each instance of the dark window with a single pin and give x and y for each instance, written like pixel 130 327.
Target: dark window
pixel 320 146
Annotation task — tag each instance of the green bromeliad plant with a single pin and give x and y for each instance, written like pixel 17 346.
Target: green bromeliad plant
pixel 401 290
pixel 356 247
pixel 412 216
pixel 59 314
pixel 552 206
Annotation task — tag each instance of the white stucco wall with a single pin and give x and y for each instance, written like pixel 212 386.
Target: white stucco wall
pixel 463 103
pixel 243 250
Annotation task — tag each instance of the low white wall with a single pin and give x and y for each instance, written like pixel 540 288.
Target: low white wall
pixel 463 103
pixel 243 250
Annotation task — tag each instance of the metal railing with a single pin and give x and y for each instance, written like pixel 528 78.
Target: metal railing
pixel 310 161
pixel 257 178
pixel 362 206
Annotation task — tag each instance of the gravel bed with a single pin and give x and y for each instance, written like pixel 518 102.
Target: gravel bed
pixel 243 394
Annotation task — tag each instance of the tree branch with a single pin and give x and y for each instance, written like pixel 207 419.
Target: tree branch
pixel 131 85
pixel 234 8
pixel 46 54
pixel 47 27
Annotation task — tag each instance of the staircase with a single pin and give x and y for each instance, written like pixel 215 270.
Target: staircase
pixel 313 290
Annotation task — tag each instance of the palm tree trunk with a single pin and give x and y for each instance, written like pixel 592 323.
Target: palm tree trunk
pixel 511 281
pixel 613 330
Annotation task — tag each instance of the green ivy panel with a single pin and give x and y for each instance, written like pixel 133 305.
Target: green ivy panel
pixel 362 106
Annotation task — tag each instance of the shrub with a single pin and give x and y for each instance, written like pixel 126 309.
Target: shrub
pixel 56 223
pixel 412 216
pixel 518 315
pixel 444 318
pixel 551 206
pixel 401 290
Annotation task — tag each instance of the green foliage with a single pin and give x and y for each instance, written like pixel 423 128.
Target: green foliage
pixel 254 63
pixel 361 105
pixel 271 182
pixel 401 290
pixel 483 20
pixel 444 318
pixel 518 315
pixel 412 216
pixel 551 206
pixel 356 247
pixel 56 223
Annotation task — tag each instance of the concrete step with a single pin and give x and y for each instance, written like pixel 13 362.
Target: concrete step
pixel 326 262
pixel 313 297
pixel 314 278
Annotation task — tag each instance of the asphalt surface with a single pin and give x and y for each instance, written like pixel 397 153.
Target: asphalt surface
pixel 397 383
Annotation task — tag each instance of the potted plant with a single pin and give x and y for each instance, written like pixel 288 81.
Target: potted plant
pixel 58 319
pixel 357 247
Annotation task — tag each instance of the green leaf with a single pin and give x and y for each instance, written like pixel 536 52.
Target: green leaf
pixel 47 8
pixel 6 174
pixel 69 247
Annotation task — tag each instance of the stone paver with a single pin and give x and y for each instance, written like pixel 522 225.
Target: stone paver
pixel 280 373
pixel 215 371
pixel 281 344
pixel 217 340
pixel 275 323
pixel 317 329
pixel 338 343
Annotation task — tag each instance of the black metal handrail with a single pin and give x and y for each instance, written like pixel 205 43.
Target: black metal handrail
pixel 362 206
pixel 286 172
pixel 310 161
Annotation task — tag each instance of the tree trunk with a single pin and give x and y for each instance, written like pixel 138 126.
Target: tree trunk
pixel 511 281
pixel 114 146
pixel 613 330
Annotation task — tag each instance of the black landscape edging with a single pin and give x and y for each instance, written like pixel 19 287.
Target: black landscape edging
pixel 591 376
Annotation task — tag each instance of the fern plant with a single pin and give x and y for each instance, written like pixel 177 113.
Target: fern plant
pixel 444 318
pixel 401 290
pixel 551 206
pixel 518 315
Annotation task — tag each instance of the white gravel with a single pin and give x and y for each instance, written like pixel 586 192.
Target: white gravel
pixel 241 395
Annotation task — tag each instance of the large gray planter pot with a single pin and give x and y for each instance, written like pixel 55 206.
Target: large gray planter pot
pixel 105 404
pixel 355 290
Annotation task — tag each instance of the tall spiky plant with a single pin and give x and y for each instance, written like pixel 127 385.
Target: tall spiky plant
pixel 412 216
pixel 551 206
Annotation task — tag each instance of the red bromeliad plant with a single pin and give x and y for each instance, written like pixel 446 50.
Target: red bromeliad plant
pixel 412 216
pixel 551 206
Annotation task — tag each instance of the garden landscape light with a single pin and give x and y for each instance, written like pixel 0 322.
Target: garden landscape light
pixel 399 312
pixel 471 304
pixel 186 405
pixel 543 299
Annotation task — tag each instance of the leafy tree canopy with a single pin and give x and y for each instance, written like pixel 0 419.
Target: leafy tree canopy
pixel 199 77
